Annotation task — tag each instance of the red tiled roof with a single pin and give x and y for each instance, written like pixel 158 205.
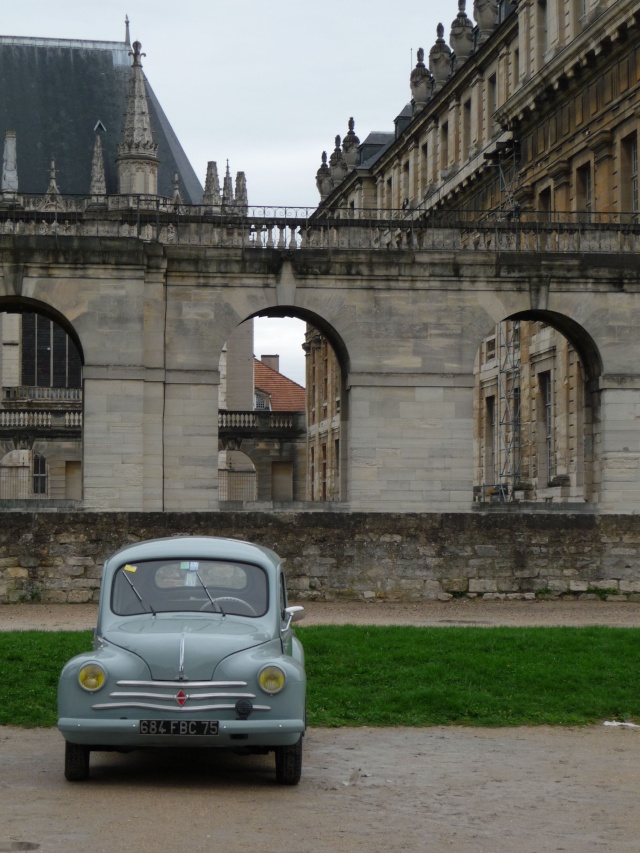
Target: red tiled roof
pixel 286 395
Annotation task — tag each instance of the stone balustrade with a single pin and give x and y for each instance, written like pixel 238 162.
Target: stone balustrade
pixel 285 228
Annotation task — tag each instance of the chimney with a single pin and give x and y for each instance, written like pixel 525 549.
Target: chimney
pixel 272 361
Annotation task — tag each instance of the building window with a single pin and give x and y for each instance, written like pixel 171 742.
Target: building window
pixel 542 32
pixel 424 167
pixel 49 357
pixel 545 204
pixel 466 129
pixel 546 424
pixel 444 145
pixel 490 349
pixel 490 440
pixel 39 474
pixel 630 174
pixel 584 191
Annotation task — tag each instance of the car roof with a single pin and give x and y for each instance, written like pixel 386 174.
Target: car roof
pixel 203 547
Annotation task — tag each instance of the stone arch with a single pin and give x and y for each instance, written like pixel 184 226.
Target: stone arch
pixel 41 411
pixel 283 450
pixel 20 304
pixel 537 411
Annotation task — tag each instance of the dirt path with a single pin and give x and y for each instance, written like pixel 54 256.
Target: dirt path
pixel 523 790
pixel 58 617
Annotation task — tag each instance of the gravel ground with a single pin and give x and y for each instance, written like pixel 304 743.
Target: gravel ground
pixel 459 790
pixel 624 614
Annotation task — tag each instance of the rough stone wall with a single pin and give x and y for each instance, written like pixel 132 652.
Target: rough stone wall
pixel 57 557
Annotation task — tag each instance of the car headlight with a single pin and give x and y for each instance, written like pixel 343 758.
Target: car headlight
pixel 91 677
pixel 271 679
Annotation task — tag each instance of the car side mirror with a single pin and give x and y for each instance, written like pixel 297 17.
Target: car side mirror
pixel 294 614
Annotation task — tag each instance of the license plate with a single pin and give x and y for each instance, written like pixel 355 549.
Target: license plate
pixel 179 727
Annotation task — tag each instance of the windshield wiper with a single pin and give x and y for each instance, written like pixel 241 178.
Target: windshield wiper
pixel 138 596
pixel 213 601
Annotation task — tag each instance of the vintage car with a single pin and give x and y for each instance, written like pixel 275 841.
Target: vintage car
pixel 194 647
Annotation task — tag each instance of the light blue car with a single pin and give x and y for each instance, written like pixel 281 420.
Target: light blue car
pixel 194 647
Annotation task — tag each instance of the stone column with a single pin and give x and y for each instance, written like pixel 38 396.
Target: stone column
pixel 619 445
pixel 190 441
pixel 410 443
pixel 113 446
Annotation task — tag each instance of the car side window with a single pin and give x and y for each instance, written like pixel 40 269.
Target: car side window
pixel 283 596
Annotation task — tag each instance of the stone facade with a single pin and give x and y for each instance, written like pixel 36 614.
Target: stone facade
pixel 530 116
pixel 57 557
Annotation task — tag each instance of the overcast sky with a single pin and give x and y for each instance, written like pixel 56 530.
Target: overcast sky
pixel 266 85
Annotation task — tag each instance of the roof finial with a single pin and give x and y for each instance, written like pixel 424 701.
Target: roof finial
pixel 137 54
pixel 127 37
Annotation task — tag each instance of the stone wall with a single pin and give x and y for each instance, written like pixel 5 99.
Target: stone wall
pixel 57 557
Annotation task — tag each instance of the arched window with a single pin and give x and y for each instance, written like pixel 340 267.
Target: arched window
pixel 39 474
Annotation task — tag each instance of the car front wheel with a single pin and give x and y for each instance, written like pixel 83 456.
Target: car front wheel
pixel 76 762
pixel 289 763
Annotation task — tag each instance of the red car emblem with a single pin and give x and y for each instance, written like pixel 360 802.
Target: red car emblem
pixel 181 698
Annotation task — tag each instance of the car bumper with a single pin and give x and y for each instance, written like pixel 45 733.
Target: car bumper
pixel 231 734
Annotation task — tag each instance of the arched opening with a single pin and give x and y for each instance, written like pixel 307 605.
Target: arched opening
pixel 291 431
pixel 41 404
pixel 536 412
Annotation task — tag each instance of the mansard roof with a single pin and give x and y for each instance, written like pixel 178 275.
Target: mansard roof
pixel 57 93
pixel 286 395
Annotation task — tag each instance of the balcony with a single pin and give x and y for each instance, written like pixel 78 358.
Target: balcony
pixel 260 424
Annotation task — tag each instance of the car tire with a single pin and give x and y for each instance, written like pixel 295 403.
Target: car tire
pixel 76 762
pixel 289 763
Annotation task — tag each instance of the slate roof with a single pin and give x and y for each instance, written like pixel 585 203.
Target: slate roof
pixel 53 92
pixel 286 395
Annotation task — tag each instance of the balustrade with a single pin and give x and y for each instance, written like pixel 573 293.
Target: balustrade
pixel 285 228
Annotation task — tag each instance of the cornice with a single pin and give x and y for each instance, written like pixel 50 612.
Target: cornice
pixel 595 40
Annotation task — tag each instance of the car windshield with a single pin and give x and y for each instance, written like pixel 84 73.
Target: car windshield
pixel 210 586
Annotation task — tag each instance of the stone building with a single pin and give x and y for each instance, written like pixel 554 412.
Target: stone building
pixel 82 128
pixel 529 114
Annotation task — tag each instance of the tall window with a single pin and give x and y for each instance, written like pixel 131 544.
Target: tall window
pixel 629 181
pixel 49 356
pixel 444 145
pixel 541 33
pixel 466 129
pixel 39 474
pixel 546 463
pixel 584 191
pixel 490 440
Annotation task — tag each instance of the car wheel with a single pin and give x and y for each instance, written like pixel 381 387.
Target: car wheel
pixel 289 763
pixel 76 762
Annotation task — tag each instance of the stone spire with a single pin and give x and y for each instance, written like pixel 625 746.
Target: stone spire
pixel 420 82
pixel 137 153
pixel 227 191
pixel 337 164
pixel 211 197
pixel 350 146
pixel 440 60
pixel 127 36
pixel 9 185
pixel 323 178
pixel 98 185
pixel 461 36
pixel 242 199
pixel 52 198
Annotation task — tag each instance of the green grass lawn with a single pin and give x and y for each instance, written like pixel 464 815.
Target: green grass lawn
pixel 386 676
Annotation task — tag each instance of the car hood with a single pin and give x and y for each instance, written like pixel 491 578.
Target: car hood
pixel 185 647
